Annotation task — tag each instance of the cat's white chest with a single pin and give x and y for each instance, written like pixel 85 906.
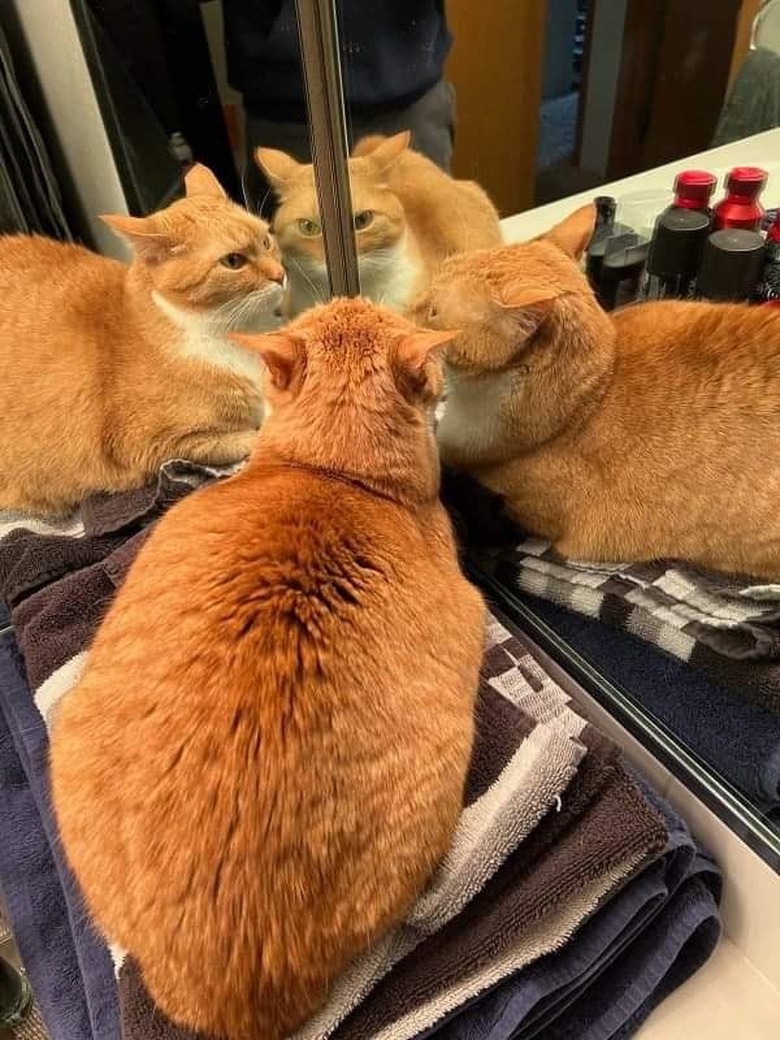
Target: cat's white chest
pixel 471 424
pixel 200 343
pixel 388 276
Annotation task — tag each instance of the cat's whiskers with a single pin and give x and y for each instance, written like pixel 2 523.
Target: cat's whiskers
pixel 319 295
pixel 233 315
pixel 244 192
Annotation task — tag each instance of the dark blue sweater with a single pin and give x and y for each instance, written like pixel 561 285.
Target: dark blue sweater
pixel 393 51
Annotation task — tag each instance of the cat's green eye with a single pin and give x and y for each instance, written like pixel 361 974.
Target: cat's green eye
pixel 308 227
pixel 362 220
pixel 234 261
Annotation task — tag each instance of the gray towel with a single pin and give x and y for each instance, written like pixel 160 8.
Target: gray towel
pixel 753 104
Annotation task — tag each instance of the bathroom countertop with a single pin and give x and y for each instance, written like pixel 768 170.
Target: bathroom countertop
pixel 760 150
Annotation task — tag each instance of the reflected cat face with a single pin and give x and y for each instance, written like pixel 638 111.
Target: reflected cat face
pixel 498 298
pixel 206 255
pixel 379 219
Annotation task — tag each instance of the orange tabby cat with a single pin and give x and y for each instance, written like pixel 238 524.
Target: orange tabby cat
pixel 108 370
pixel 653 432
pixel 265 759
pixel 409 216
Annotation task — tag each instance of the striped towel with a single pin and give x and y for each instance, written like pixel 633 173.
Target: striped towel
pixel 723 626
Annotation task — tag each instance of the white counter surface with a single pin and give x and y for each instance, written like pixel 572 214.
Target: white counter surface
pixel 760 150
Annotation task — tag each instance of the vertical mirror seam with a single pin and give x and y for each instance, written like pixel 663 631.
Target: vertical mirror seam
pixel 317 22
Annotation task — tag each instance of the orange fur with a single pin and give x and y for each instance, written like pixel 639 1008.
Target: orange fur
pixel 265 758
pixel 651 433
pixel 99 383
pixel 417 217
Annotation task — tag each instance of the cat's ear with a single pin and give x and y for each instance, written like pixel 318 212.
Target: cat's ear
pixel 283 355
pixel 386 150
pixel 573 234
pixel 148 242
pixel 199 180
pixel 525 308
pixel 279 167
pixel 412 354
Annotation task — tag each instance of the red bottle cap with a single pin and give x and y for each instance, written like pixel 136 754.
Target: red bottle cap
pixel 741 208
pixel 693 189
pixel 746 181
pixel 773 231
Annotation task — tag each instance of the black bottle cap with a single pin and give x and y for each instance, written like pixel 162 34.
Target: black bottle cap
pixel 731 265
pixel 605 209
pixel 677 243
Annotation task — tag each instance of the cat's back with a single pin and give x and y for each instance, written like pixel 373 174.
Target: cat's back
pixel 310 537
pixel 42 279
pixel 300 692
pixel 699 337
pixel 448 215
pixel 62 263
pixel 685 372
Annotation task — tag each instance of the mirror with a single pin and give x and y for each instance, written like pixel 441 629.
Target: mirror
pixel 574 101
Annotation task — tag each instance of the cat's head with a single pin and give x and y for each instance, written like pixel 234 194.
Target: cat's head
pixel 351 387
pixel 204 254
pixel 499 298
pixel 378 216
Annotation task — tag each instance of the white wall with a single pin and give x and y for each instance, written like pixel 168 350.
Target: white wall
pixel 59 63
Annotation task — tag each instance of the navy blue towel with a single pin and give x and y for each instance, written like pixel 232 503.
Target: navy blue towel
pixel 641 944
pixel 69 966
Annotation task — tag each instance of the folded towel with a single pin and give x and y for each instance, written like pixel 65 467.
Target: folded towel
pixel 739 740
pixel 654 602
pixel 726 627
pixel 552 828
pixel 544 891
pixel 35 552
pixel 602 976
pixel 735 617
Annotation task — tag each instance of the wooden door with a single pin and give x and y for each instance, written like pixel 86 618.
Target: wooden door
pixel 677 59
pixel 496 68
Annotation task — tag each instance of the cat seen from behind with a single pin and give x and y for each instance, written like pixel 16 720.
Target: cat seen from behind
pixel 107 370
pixel 265 758
pixel 650 433
pixel 408 216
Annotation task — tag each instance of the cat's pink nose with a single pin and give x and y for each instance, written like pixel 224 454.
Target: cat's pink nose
pixel 276 274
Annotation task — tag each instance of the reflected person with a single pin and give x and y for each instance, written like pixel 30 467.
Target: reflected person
pixel 393 56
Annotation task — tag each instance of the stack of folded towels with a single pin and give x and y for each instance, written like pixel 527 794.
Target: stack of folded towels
pixel 572 901
pixel 699 651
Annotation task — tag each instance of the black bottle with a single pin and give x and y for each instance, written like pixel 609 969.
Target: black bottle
pixel 602 232
pixel 731 265
pixel 675 253
pixel 621 270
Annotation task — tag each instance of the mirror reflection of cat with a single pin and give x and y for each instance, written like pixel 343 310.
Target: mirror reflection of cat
pixel 645 434
pixel 408 217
